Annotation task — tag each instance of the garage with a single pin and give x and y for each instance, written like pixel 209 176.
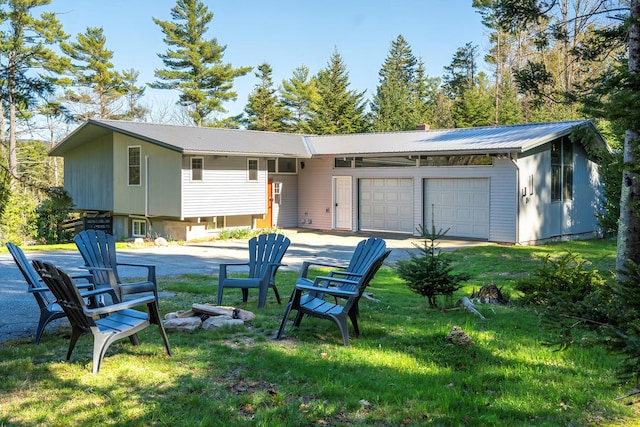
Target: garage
pixel 386 204
pixel 458 204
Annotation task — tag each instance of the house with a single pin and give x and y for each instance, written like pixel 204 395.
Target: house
pixel 515 184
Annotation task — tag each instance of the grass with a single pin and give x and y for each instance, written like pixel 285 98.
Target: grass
pixel 400 371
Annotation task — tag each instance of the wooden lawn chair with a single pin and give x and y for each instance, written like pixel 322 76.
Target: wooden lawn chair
pixel 265 256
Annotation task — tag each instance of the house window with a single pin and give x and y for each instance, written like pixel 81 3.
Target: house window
pixel 287 165
pixel 196 168
pixel 252 169
pixel 134 165
pixel 277 192
pixel 282 165
pixel 139 228
pixel 561 170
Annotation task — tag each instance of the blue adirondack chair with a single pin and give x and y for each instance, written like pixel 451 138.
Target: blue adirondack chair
pixel 336 296
pixel 49 309
pixel 98 249
pixel 107 323
pixel 265 257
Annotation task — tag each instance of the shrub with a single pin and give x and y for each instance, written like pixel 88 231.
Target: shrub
pixel 564 280
pixel 50 215
pixel 429 274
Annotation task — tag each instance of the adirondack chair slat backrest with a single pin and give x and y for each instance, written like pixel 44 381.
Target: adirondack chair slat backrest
pixel 30 275
pixel 98 249
pixel 66 293
pixel 264 250
pixel 365 253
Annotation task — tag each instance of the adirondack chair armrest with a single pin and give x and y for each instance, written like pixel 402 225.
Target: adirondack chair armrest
pixel 40 289
pixel 98 311
pixel 333 273
pixel 329 290
pixel 99 291
pixel 307 264
pixel 151 269
pixel 229 265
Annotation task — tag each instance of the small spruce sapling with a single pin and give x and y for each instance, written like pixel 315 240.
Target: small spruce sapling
pixel 429 273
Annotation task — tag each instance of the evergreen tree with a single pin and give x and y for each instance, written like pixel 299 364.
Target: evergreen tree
pixel 300 95
pixel 26 45
pixel 133 93
pixel 460 74
pixel 193 64
pixel 98 87
pixel 264 110
pixel 339 110
pixel 394 107
pixel 475 107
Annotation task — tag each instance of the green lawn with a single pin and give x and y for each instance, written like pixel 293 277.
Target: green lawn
pixel 400 371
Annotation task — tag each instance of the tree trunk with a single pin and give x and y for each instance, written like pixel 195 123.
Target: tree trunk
pixel 629 227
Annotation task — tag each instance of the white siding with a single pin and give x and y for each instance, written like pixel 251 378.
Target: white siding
pixel 315 192
pixel 285 214
pixel 224 190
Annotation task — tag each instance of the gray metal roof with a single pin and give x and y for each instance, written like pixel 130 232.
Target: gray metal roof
pixel 495 139
pixel 206 140
pixel 192 139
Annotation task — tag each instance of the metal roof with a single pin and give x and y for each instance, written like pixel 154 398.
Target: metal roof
pixel 206 140
pixel 192 139
pixel 494 139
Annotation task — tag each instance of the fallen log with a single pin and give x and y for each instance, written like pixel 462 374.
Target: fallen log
pixel 467 304
pixel 217 310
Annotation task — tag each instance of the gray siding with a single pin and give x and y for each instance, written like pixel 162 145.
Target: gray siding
pixel 159 189
pixel 285 214
pixel 88 175
pixel 225 189
pixel 540 218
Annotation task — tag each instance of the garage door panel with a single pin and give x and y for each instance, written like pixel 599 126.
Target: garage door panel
pixel 386 204
pixel 458 204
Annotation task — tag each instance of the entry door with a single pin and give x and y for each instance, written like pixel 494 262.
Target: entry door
pixel 342 197
pixel 267 221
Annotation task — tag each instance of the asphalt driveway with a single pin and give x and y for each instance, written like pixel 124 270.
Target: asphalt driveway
pixel 19 311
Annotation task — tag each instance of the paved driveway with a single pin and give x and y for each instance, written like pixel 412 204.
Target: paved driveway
pixel 19 311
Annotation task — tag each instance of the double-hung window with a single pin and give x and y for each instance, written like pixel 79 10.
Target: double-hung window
pixel 252 169
pixel 134 165
pixel 196 168
pixel 561 170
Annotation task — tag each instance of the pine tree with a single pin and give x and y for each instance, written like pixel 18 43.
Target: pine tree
pixel 133 94
pixel 193 64
pixel 300 95
pixel 474 107
pixel 264 110
pixel 339 110
pixel 98 86
pixel 394 107
pixel 26 48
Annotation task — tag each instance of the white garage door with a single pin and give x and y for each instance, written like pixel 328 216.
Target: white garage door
pixel 386 204
pixel 460 205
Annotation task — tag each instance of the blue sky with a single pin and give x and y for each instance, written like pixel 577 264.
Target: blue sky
pixel 286 34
